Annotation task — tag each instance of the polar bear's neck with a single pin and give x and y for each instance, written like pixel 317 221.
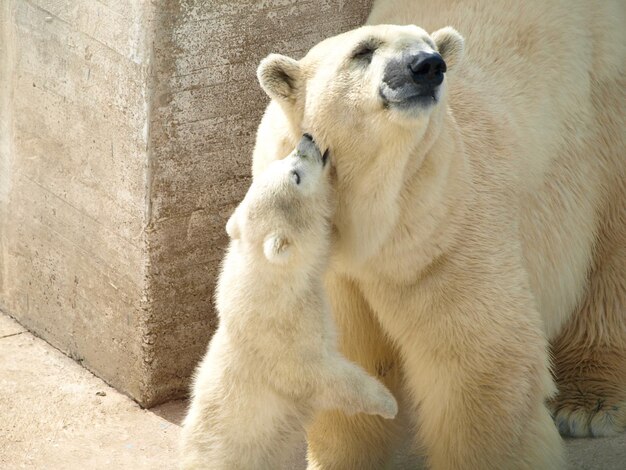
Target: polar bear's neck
pixel 410 207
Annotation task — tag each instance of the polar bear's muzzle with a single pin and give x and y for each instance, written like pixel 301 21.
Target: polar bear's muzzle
pixel 305 160
pixel 412 79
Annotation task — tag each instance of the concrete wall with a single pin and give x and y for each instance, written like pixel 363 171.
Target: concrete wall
pixel 73 178
pixel 126 134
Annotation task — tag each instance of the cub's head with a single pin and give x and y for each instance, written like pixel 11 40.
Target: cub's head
pixel 358 91
pixel 285 216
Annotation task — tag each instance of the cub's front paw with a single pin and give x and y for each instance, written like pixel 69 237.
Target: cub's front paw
pixel 378 400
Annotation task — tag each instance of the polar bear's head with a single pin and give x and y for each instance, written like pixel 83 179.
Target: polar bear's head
pixel 285 215
pixel 377 97
pixel 354 88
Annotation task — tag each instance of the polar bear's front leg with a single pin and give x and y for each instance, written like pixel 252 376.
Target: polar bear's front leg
pixel 476 366
pixel 488 426
pixel 590 353
pixel 340 441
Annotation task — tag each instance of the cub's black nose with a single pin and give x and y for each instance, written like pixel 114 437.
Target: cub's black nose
pixel 427 69
pixel 308 148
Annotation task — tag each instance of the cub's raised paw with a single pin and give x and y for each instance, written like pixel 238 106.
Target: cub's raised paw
pixel 378 400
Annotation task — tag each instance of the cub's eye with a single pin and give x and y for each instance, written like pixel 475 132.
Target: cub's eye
pixel 365 52
pixel 296 177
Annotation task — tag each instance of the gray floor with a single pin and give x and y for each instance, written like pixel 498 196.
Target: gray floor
pixel 56 415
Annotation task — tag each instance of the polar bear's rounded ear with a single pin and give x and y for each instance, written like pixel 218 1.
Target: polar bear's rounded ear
pixel 277 248
pixel 450 45
pixel 232 226
pixel 279 76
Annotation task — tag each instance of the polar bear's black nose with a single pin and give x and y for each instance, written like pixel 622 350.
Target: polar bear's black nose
pixel 427 68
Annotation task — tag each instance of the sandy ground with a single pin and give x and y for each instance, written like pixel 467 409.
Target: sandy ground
pixel 54 414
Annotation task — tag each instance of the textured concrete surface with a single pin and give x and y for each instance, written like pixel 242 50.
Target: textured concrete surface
pixel 73 178
pixel 206 108
pixel 126 130
pixel 56 415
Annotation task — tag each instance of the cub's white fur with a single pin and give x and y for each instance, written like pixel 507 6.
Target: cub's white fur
pixel 273 361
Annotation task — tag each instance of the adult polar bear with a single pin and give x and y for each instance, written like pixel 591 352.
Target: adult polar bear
pixel 477 219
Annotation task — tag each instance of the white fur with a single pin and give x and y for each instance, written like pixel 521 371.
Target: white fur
pixel 472 232
pixel 273 361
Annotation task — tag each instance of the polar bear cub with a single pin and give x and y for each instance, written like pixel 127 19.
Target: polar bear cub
pixel 273 361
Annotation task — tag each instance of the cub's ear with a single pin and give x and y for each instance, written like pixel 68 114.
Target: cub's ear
pixel 232 226
pixel 277 248
pixel 450 45
pixel 279 76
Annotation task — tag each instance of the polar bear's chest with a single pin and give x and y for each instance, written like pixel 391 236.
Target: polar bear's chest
pixel 401 258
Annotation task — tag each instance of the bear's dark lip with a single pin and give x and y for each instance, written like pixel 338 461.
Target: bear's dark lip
pixel 409 101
